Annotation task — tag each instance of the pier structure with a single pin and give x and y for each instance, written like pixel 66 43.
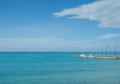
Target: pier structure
pixel 107 52
pixel 99 57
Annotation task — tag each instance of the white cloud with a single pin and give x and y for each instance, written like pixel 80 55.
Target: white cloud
pixel 109 36
pixel 106 12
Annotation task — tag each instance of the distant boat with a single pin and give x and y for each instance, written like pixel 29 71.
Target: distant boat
pixel 82 55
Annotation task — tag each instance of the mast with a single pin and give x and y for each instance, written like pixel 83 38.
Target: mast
pixel 115 48
pixel 102 50
pixel 106 49
pixel 109 49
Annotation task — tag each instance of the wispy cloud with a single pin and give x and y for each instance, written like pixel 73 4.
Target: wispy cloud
pixel 109 36
pixel 41 44
pixel 106 12
pixel 49 44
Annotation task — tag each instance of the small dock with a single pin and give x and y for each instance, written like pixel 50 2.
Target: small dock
pixel 98 57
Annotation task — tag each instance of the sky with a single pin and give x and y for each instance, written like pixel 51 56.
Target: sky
pixel 59 25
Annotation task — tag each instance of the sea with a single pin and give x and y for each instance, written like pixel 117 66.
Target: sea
pixel 57 68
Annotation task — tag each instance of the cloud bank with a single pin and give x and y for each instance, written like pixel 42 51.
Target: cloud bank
pixel 109 36
pixel 41 44
pixel 48 44
pixel 106 12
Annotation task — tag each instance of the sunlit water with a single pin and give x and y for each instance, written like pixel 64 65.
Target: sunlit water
pixel 57 68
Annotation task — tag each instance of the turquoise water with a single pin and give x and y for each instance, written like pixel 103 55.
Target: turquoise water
pixel 57 68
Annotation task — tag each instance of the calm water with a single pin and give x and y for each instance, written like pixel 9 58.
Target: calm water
pixel 56 68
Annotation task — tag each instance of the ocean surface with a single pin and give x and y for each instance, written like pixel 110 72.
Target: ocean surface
pixel 57 68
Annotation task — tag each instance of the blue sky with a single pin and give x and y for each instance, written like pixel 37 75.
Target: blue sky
pixel 58 25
